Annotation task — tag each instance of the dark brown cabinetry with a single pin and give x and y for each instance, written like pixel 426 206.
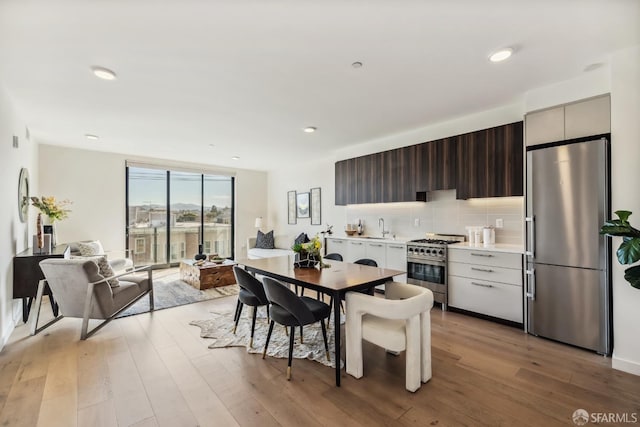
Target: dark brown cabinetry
pixel 490 162
pixel 346 176
pixel 436 165
pixel 399 175
pixel 369 178
pixel 485 163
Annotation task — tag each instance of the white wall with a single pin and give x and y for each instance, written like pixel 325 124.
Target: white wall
pixel 95 182
pixel 625 155
pixel 15 234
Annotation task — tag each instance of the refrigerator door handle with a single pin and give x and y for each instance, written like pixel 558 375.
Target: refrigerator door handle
pixel 531 284
pixel 531 245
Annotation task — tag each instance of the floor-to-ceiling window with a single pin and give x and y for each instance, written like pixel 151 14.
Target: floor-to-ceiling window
pixel 171 213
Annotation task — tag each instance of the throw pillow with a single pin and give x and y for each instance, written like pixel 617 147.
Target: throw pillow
pixel 265 241
pixel 302 238
pixel 90 248
pixel 104 268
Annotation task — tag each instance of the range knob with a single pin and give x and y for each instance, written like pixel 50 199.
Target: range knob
pixel 422 251
pixel 441 252
pixel 427 251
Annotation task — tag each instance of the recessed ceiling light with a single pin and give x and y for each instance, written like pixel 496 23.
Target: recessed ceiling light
pixel 501 55
pixel 235 158
pixel 357 64
pixel 103 73
pixel 310 129
pixel 212 145
pixel 91 136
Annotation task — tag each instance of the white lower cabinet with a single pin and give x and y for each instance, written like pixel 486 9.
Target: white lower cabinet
pixel 386 254
pixel 337 246
pixel 486 282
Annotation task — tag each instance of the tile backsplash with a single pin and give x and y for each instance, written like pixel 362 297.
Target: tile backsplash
pixel 442 214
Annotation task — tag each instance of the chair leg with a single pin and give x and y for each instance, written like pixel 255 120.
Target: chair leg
pixel 235 315
pixel 253 326
pixel 266 344
pixel 291 339
pixel 34 311
pixel 326 342
pixel 301 336
pixel 238 317
pixel 151 301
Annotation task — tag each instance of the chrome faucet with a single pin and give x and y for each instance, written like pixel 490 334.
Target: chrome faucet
pixel 381 224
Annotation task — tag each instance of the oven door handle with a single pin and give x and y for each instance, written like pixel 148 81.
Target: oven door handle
pixel 423 261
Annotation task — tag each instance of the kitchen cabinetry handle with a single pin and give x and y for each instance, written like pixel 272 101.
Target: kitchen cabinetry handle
pixel 486 270
pixel 396 247
pixel 337 241
pixel 482 284
pixel 530 225
pixel 484 255
pixel 356 243
pixel 378 245
pixel 531 284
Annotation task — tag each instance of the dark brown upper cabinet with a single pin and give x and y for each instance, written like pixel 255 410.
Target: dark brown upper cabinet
pixel 370 178
pixel 490 162
pixel 436 165
pixel 485 163
pixel 346 173
pixel 399 173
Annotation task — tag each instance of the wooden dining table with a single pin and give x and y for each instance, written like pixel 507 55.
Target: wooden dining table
pixel 336 280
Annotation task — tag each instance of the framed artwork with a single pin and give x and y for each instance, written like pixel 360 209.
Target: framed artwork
pixel 316 217
pixel 302 205
pixel 291 205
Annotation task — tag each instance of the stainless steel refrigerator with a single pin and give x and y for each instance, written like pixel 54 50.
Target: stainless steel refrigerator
pixel 568 285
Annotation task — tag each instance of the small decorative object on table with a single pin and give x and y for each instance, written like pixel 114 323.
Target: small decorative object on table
pixel 55 211
pixel 200 256
pixel 308 254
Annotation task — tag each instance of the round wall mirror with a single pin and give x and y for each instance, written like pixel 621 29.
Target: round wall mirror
pixel 23 194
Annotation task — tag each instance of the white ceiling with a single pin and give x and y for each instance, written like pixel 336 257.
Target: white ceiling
pixel 248 76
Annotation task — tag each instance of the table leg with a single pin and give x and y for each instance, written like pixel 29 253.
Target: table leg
pixel 26 303
pixel 336 322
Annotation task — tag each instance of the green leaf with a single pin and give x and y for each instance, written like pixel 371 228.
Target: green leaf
pixel 623 215
pixel 629 250
pixel 632 275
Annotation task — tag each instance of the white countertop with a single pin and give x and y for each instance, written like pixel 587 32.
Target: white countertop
pixel 498 247
pixel 398 240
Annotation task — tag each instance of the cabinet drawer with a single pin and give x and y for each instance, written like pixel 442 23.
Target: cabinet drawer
pixel 482 272
pixel 490 298
pixel 482 257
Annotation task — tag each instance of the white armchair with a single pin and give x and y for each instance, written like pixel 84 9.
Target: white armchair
pixel 398 322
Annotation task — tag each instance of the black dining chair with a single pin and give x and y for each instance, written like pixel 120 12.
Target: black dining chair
pixel 366 261
pixel 334 256
pixel 252 294
pixel 289 309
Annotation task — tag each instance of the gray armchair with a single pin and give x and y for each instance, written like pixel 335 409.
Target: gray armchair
pixel 80 291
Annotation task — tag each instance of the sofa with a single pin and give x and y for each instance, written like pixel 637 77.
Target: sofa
pixel 282 248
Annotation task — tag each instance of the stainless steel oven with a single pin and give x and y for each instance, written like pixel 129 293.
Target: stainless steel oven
pixel 427 264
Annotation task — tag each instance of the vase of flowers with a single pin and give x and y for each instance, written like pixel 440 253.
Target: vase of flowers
pixel 53 211
pixel 308 254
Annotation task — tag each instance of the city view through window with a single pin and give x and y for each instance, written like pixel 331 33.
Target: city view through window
pixel 191 209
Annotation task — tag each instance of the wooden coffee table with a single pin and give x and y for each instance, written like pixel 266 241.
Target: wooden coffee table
pixel 207 275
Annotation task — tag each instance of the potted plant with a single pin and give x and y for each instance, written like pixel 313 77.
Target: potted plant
pixel 629 250
pixel 308 254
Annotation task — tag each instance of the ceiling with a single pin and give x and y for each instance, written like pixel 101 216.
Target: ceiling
pixel 206 80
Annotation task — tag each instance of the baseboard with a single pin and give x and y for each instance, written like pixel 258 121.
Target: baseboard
pixel 16 316
pixel 625 365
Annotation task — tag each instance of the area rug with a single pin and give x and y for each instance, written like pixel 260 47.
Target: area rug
pixel 219 329
pixel 170 291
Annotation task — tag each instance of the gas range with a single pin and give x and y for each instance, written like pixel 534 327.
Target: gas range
pixel 427 264
pixel 434 247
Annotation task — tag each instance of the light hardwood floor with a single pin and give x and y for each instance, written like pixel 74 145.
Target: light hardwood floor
pixel 155 370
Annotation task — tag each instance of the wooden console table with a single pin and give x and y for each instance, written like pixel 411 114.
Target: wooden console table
pixel 207 275
pixel 27 274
